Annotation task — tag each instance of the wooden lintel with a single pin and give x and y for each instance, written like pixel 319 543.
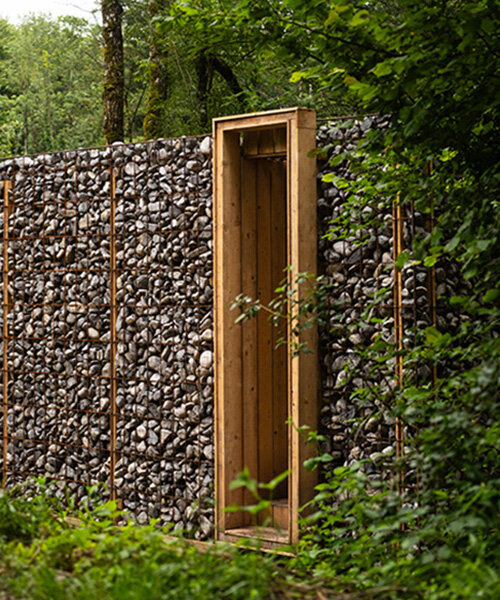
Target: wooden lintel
pixel 303 116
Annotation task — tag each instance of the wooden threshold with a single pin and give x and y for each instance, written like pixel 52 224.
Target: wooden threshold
pixel 268 537
pixel 270 155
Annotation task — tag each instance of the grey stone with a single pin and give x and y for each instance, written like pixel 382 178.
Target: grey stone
pixel 206 359
pixel 206 146
pixel 131 169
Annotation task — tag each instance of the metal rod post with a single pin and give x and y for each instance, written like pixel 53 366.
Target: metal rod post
pixel 431 276
pixel 113 315
pixel 398 322
pixel 7 185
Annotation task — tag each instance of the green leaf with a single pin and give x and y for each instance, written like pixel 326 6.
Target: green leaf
pixel 329 177
pixel 432 336
pixel 188 9
pixel 491 295
pixel 452 244
pixel 360 18
pixel 430 261
pixel 382 69
pixel 402 259
pixel 276 481
pixel 298 76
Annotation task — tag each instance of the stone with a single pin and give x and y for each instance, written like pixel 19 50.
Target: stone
pixel 207 335
pixel 372 424
pixel 156 363
pixel 206 359
pixel 142 518
pixel 141 432
pixel 131 169
pixel 93 333
pixel 85 222
pixel 206 146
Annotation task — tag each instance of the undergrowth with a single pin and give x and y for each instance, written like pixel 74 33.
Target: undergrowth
pixel 48 552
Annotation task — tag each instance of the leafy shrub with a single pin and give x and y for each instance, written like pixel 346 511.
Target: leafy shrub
pixel 43 554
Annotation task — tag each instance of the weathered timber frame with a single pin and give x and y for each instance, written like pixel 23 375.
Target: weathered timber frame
pixel 264 193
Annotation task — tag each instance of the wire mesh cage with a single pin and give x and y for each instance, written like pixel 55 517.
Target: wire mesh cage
pixel 107 324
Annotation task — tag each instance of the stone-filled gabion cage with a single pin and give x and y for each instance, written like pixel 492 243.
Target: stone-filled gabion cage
pixel 108 339
pixel 107 314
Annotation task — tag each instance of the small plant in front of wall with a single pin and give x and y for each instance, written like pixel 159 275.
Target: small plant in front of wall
pixel 262 505
pixel 298 305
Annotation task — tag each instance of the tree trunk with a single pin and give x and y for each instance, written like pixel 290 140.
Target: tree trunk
pixel 159 84
pixel 113 94
pixel 204 75
pixel 232 81
pixel 206 63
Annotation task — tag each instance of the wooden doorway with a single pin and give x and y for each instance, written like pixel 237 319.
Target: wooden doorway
pixel 264 219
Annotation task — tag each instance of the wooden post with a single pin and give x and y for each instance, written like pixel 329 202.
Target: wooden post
pixel 228 363
pixel 302 252
pixel 7 185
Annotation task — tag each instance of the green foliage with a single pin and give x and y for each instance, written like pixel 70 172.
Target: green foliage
pixel 43 554
pixel 53 72
pixel 22 518
pixel 434 67
pixel 262 506
pixel 297 305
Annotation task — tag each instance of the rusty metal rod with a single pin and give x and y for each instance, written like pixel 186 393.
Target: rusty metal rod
pixel 398 324
pixel 113 339
pixel 5 375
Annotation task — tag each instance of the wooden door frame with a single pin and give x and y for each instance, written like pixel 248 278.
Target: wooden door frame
pixel 301 202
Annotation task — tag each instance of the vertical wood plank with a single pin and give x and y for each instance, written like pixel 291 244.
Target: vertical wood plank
pixel 227 278
pixel 251 143
pixel 266 141
pixel 279 134
pixel 279 355
pixel 264 327
pixel 7 185
pixel 249 329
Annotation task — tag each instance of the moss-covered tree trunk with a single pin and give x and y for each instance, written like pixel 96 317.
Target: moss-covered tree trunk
pixel 113 94
pixel 155 125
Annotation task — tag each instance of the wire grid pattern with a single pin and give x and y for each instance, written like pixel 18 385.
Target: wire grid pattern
pixel 108 344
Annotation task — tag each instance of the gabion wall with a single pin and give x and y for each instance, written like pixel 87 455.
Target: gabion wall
pixel 150 205
pixel 356 428
pixel 60 281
